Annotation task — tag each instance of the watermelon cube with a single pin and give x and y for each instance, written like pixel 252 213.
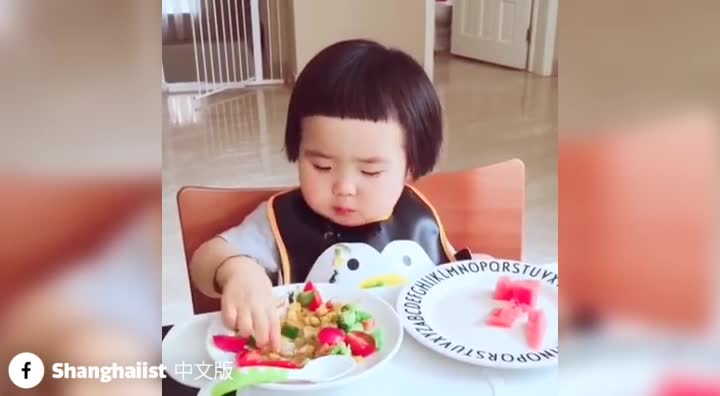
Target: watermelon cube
pixel 523 293
pixel 535 330
pixel 523 308
pixel 503 317
pixel 502 289
pixel 526 292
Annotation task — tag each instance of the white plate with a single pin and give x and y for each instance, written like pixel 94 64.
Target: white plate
pixel 448 314
pixel 183 349
pixel 385 319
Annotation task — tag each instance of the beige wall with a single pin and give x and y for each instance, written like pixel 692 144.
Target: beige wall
pixel 403 24
pixel 555 54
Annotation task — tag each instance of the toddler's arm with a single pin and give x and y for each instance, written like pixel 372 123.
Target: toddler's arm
pixel 250 243
pixel 234 266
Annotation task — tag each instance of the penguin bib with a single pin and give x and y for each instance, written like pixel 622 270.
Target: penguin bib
pixel 387 253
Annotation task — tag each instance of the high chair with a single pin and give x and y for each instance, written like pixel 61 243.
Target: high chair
pixel 482 209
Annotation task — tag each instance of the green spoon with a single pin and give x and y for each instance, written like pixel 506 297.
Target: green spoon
pixel 323 369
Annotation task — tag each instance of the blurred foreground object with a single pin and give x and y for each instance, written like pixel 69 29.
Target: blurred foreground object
pixel 80 188
pixel 636 221
pixel 688 385
pixel 81 89
pixel 83 285
pixel 638 101
pixel 47 221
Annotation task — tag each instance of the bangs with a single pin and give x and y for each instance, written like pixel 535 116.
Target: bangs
pixel 356 89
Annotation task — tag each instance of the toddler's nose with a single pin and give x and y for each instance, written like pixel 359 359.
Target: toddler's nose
pixel 344 188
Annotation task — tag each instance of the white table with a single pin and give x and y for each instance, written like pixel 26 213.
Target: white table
pixel 418 371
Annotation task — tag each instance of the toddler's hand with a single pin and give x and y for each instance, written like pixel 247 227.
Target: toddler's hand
pixel 247 303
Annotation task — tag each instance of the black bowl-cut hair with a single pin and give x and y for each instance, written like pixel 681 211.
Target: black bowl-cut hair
pixel 361 79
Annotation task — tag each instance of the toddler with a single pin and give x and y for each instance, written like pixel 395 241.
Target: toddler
pixel 363 121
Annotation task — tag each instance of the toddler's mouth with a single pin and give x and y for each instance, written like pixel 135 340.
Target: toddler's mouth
pixel 342 211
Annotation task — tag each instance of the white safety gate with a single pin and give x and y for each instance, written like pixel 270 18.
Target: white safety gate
pixel 235 43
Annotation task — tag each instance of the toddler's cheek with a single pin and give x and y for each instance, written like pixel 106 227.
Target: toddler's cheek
pixel 314 198
pixel 381 209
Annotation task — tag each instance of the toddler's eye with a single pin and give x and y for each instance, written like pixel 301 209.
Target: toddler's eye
pixel 321 168
pixel 371 174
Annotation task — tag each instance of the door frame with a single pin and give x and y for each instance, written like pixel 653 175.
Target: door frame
pixel 543 35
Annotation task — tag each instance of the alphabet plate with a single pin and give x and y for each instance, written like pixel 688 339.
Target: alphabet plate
pixel 446 310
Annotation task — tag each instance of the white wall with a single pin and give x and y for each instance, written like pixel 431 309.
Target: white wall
pixel 404 24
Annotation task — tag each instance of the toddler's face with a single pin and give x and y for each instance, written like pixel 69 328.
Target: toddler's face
pixel 351 171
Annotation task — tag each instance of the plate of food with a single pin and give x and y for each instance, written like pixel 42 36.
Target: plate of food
pixel 500 313
pixel 317 320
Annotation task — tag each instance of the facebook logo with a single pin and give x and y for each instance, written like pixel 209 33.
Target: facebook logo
pixel 26 370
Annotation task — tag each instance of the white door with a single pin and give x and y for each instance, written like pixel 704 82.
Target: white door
pixel 495 31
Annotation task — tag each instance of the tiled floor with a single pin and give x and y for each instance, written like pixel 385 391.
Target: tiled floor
pixel 492 114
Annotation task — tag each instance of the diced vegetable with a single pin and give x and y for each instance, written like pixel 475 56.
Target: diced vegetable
pixel 272 363
pixel 230 343
pixel 347 320
pixel 362 315
pixel 368 324
pixel 331 336
pixel 316 302
pixel 379 339
pixel 310 297
pixel 341 349
pixel 249 358
pixel 241 353
pixel 311 328
pixel 323 349
pixel 361 344
pixel 255 358
pixel 290 331
pixel 348 307
pixel 305 298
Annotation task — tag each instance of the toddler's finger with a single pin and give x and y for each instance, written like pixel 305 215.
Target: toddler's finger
pixel 244 323
pixel 229 314
pixel 274 322
pixel 260 325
